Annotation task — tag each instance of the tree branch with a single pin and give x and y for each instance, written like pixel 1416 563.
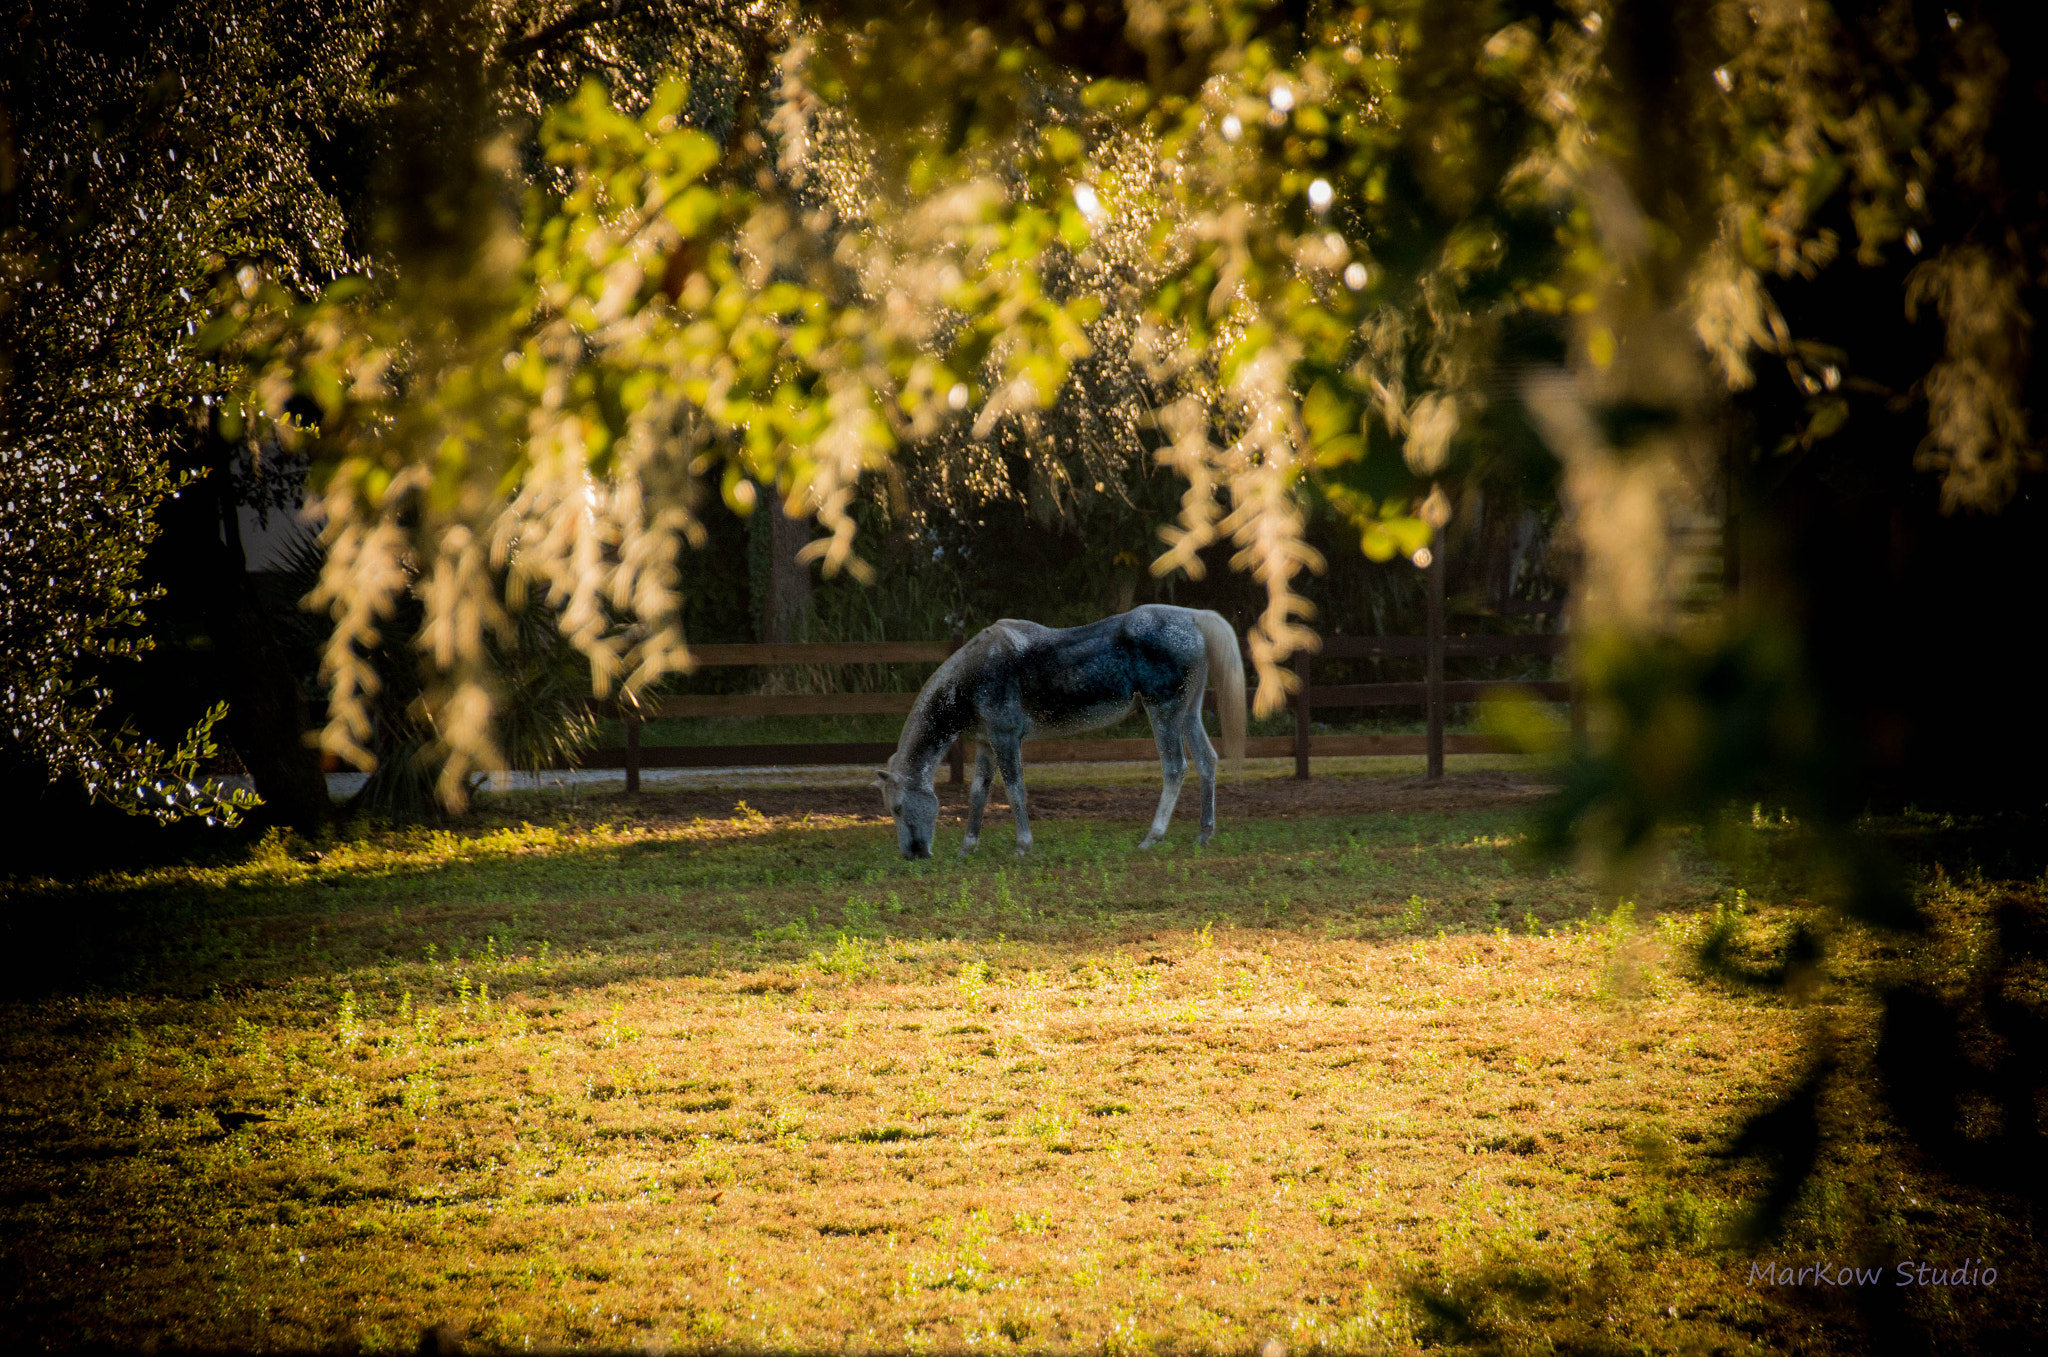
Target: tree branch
pixel 587 15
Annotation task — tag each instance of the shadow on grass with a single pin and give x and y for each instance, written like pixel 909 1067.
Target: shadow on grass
pixel 749 888
pixel 1628 1294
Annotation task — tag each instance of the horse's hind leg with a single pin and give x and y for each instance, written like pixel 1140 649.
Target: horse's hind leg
pixel 1196 738
pixel 1205 765
pixel 977 794
pixel 1173 768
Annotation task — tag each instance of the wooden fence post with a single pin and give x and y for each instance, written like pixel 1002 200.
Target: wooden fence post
pixel 956 757
pixel 1435 677
pixel 1575 708
pixel 1575 701
pixel 1301 715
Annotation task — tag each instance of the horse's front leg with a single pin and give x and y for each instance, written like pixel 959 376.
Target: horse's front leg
pixel 1173 769
pixel 1009 752
pixel 977 794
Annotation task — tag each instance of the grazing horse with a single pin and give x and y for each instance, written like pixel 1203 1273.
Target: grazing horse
pixel 1016 680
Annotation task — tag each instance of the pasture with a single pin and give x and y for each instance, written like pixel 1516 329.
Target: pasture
pixel 720 1071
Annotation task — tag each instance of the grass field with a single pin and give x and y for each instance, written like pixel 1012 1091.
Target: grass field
pixel 582 1074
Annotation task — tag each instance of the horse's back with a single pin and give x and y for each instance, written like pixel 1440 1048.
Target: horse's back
pixel 1146 652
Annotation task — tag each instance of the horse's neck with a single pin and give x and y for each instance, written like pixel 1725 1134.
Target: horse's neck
pixel 923 744
pixel 941 714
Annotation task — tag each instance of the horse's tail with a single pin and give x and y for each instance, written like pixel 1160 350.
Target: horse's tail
pixel 1226 676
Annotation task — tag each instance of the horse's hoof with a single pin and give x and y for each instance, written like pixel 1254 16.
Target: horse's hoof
pixel 968 846
pixel 1023 849
pixel 1204 837
pixel 1149 840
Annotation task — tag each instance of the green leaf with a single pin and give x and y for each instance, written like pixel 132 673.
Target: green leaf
pixel 217 334
pixel 693 210
pixel 1828 416
pixel 1254 340
pixel 1822 180
pixel 345 289
pixel 1330 414
pixel 694 152
pixel 1073 229
pixel 323 383
pixel 1410 534
pixel 1340 451
pixel 1378 544
pixel 670 96
pixel 1126 97
pixel 780 299
pixel 737 491
pixel 1062 145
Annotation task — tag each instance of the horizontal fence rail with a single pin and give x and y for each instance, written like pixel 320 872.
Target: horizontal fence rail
pixel 1417 647
pixel 1417 694
pixel 899 704
pixel 1303 745
pixel 630 756
pixel 633 756
pixel 1035 751
pixel 824 652
pixel 782 704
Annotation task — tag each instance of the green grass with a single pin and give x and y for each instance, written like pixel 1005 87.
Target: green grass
pixel 1366 1082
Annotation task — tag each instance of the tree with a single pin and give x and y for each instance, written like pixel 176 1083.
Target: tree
pixel 150 151
pixel 93 381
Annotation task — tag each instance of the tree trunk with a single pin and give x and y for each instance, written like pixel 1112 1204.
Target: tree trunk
pixel 786 602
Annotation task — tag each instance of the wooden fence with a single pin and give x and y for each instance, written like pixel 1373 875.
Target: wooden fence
pixel 633 756
pixel 1434 693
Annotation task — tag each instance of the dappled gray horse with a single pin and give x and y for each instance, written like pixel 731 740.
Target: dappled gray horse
pixel 1017 680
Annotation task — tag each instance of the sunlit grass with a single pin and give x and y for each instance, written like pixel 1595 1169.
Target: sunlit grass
pixel 1360 1083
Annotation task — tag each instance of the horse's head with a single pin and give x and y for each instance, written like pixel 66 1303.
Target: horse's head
pixel 914 808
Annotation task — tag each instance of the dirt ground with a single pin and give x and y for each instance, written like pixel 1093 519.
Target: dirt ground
pixel 1258 798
